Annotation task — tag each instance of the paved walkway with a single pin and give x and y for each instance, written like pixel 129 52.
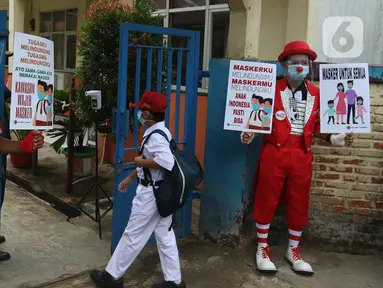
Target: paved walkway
pixel 49 252
pixel 207 265
pixel 43 245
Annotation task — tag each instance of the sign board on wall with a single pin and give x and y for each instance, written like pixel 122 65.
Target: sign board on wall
pixel 250 97
pixel 345 98
pixel 32 83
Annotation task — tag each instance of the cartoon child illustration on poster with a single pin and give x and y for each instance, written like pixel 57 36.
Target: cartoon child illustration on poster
pixel 256 116
pixel 267 108
pixel 351 99
pixel 42 106
pixel 341 105
pixel 50 107
pixel 360 110
pixel 330 112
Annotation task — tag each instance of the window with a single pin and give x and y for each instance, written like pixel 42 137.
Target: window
pixel 210 17
pixel 186 3
pixel 61 27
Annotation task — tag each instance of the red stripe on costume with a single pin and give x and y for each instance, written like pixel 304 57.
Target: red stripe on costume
pixel 295 238
pixel 262 240
pixel 262 231
pixel 296 229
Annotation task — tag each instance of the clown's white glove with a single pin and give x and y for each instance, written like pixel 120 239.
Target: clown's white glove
pixel 338 140
pixel 247 138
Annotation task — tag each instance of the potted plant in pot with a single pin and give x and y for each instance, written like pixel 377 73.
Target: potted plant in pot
pixel 83 154
pixel 100 35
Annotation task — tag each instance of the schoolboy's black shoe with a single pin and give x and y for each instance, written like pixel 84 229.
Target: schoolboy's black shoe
pixel 2 239
pixel 169 284
pixel 4 256
pixel 103 279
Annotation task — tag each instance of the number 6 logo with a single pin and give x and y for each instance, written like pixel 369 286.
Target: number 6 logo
pixel 342 37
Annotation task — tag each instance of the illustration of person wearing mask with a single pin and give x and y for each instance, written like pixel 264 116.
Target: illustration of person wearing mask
pixel 351 99
pixel 267 108
pixel 256 116
pixel 41 113
pixel 50 107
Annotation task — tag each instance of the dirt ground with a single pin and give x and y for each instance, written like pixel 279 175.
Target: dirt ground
pixel 207 265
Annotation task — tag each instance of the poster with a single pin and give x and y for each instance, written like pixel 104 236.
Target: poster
pixel 345 98
pixel 32 83
pixel 250 97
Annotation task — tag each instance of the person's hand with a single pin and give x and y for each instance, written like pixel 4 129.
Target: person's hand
pixel 247 137
pixel 34 141
pixel 349 139
pixel 138 160
pixel 342 139
pixel 38 140
pixel 124 184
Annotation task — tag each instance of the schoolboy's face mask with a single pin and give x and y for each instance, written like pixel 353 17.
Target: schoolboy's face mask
pixel 139 117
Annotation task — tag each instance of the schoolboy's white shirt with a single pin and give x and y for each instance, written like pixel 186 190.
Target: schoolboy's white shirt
pixel 157 148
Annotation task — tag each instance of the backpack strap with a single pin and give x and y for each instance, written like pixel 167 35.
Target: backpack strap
pixel 37 105
pixel 146 138
pixel 147 173
pixel 45 106
pixel 251 114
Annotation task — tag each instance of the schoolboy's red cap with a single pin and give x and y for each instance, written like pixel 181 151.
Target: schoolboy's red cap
pixel 152 101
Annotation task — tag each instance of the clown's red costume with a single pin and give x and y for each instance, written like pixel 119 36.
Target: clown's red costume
pixel 286 157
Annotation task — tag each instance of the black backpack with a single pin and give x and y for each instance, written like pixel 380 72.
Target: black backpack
pixel 175 189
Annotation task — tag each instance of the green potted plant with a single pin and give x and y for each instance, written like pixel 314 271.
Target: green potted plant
pixel 99 57
pixel 83 154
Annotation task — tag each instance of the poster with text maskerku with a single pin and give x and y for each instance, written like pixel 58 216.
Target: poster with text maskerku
pixel 32 83
pixel 250 97
pixel 345 98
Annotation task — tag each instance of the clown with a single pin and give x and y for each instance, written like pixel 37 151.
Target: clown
pixel 296 120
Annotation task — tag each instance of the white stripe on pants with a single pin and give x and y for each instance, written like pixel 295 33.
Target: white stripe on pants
pixel 143 221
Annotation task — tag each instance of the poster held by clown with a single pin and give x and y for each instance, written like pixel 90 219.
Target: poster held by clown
pixel 32 83
pixel 250 97
pixel 345 98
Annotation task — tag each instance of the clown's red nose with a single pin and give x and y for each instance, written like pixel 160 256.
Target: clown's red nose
pixel 299 69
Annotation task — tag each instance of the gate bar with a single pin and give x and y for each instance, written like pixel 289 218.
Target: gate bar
pixel 178 95
pixel 169 83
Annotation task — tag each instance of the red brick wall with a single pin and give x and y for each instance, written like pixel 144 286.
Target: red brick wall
pixel 347 187
pixel 350 180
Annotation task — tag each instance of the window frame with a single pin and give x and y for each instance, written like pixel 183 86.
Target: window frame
pixel 65 33
pixel 207 46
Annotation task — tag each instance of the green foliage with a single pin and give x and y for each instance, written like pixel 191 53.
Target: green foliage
pixel 21 134
pixel 99 46
pixel 62 95
pixel 62 130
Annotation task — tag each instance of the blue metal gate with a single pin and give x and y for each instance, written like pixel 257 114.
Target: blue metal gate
pixel 164 66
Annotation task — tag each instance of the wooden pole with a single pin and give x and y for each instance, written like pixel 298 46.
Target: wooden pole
pixel 70 141
pixel 35 162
